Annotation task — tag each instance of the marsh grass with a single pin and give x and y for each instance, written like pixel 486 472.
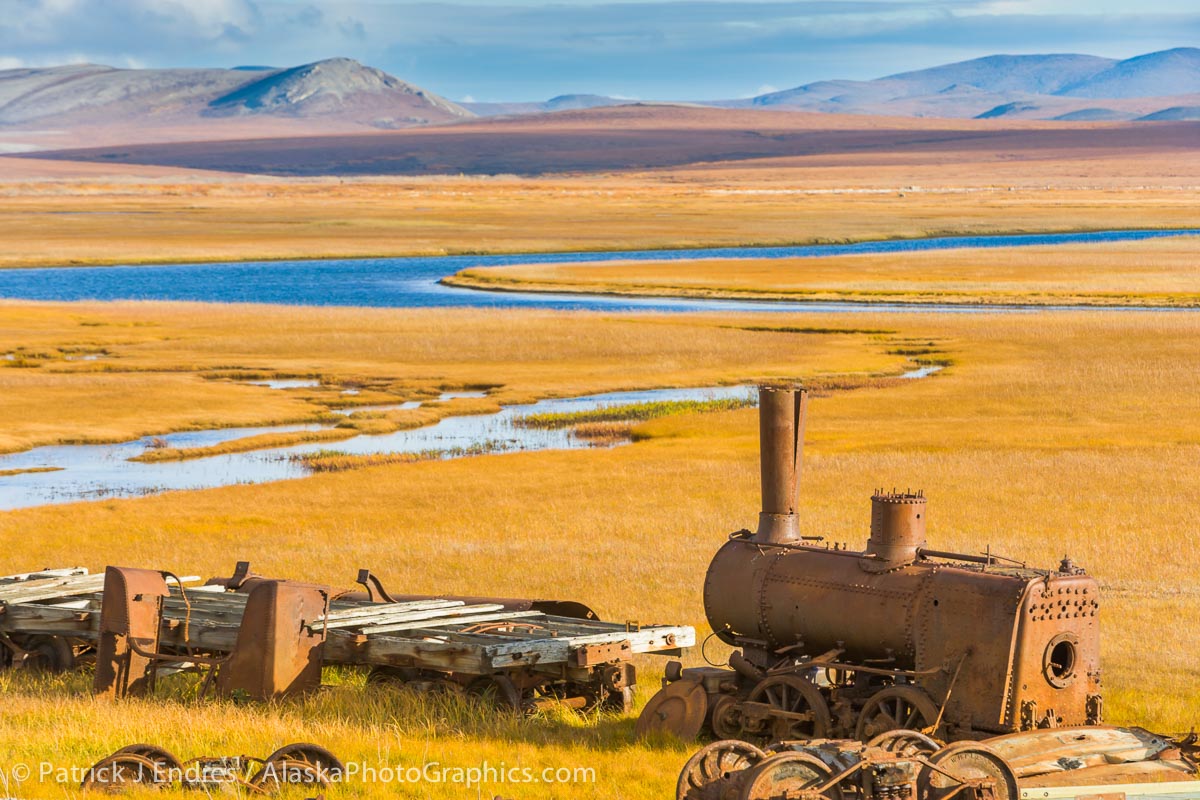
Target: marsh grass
pixel 165 354
pixel 260 442
pixel 1051 434
pixel 1150 273
pixel 630 412
pixel 69 223
pixel 605 433
pixel 338 461
pixel 4 473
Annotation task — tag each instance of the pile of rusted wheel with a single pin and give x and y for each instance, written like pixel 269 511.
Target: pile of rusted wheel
pixel 897 765
pixel 146 765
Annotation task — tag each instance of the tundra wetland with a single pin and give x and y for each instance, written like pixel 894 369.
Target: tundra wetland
pixel 1044 434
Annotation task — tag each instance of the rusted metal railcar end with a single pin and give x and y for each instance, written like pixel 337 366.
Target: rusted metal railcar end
pixel 277 652
pixel 130 620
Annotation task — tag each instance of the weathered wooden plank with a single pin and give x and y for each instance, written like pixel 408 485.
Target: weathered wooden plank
pixel 384 611
pixel 560 649
pixel 44 573
pixel 431 628
pixel 594 625
pixel 342 608
pixel 345 648
pixel 385 623
pixel 53 589
pixel 49 620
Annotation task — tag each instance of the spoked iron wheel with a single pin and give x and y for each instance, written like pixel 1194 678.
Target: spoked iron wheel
pixel 121 771
pixel 966 763
pixel 896 708
pixel 787 775
pixel 326 762
pixel 713 772
pixel 807 713
pixel 162 758
pixel 280 772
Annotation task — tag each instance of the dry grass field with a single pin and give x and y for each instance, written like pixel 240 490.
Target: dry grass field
pixel 106 222
pixel 1046 434
pixel 623 178
pixel 1150 273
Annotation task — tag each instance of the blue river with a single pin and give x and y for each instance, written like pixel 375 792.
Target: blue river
pixel 414 282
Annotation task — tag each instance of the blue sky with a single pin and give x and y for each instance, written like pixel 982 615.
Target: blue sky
pixel 535 49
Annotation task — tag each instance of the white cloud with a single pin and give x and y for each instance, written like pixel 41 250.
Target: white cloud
pixel 9 62
pixel 531 49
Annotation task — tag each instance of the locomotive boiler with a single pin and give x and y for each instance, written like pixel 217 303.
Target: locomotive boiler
pixel 834 642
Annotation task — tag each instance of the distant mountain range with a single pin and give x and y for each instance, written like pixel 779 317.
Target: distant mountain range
pixel 1026 87
pixel 338 93
pixel 87 104
pixel 1163 85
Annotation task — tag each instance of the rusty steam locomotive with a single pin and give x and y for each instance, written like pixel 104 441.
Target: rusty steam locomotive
pixel 833 642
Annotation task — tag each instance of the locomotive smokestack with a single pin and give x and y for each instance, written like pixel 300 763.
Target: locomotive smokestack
pixel 897 526
pixel 781 444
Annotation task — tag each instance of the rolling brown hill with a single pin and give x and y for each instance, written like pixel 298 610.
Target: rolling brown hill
pixel 637 138
pixel 70 106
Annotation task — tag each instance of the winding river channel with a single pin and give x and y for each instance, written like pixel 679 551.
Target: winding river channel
pixel 100 471
pixel 83 472
pixel 414 282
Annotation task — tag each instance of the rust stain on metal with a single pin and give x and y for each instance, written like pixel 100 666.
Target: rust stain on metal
pixel 130 620
pixel 277 652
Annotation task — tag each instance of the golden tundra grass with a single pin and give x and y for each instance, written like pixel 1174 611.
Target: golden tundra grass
pixel 79 223
pixel 1153 273
pixel 1048 434
pixel 174 366
pixel 257 442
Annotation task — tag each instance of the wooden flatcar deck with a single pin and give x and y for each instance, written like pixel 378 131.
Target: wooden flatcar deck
pixel 441 635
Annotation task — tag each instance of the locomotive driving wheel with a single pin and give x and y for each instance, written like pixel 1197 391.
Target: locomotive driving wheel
pixel 896 708
pixel 723 717
pixel 713 772
pixel 972 764
pixel 802 710
pixel 787 775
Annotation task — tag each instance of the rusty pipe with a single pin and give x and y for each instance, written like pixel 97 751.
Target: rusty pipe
pixel 781 414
